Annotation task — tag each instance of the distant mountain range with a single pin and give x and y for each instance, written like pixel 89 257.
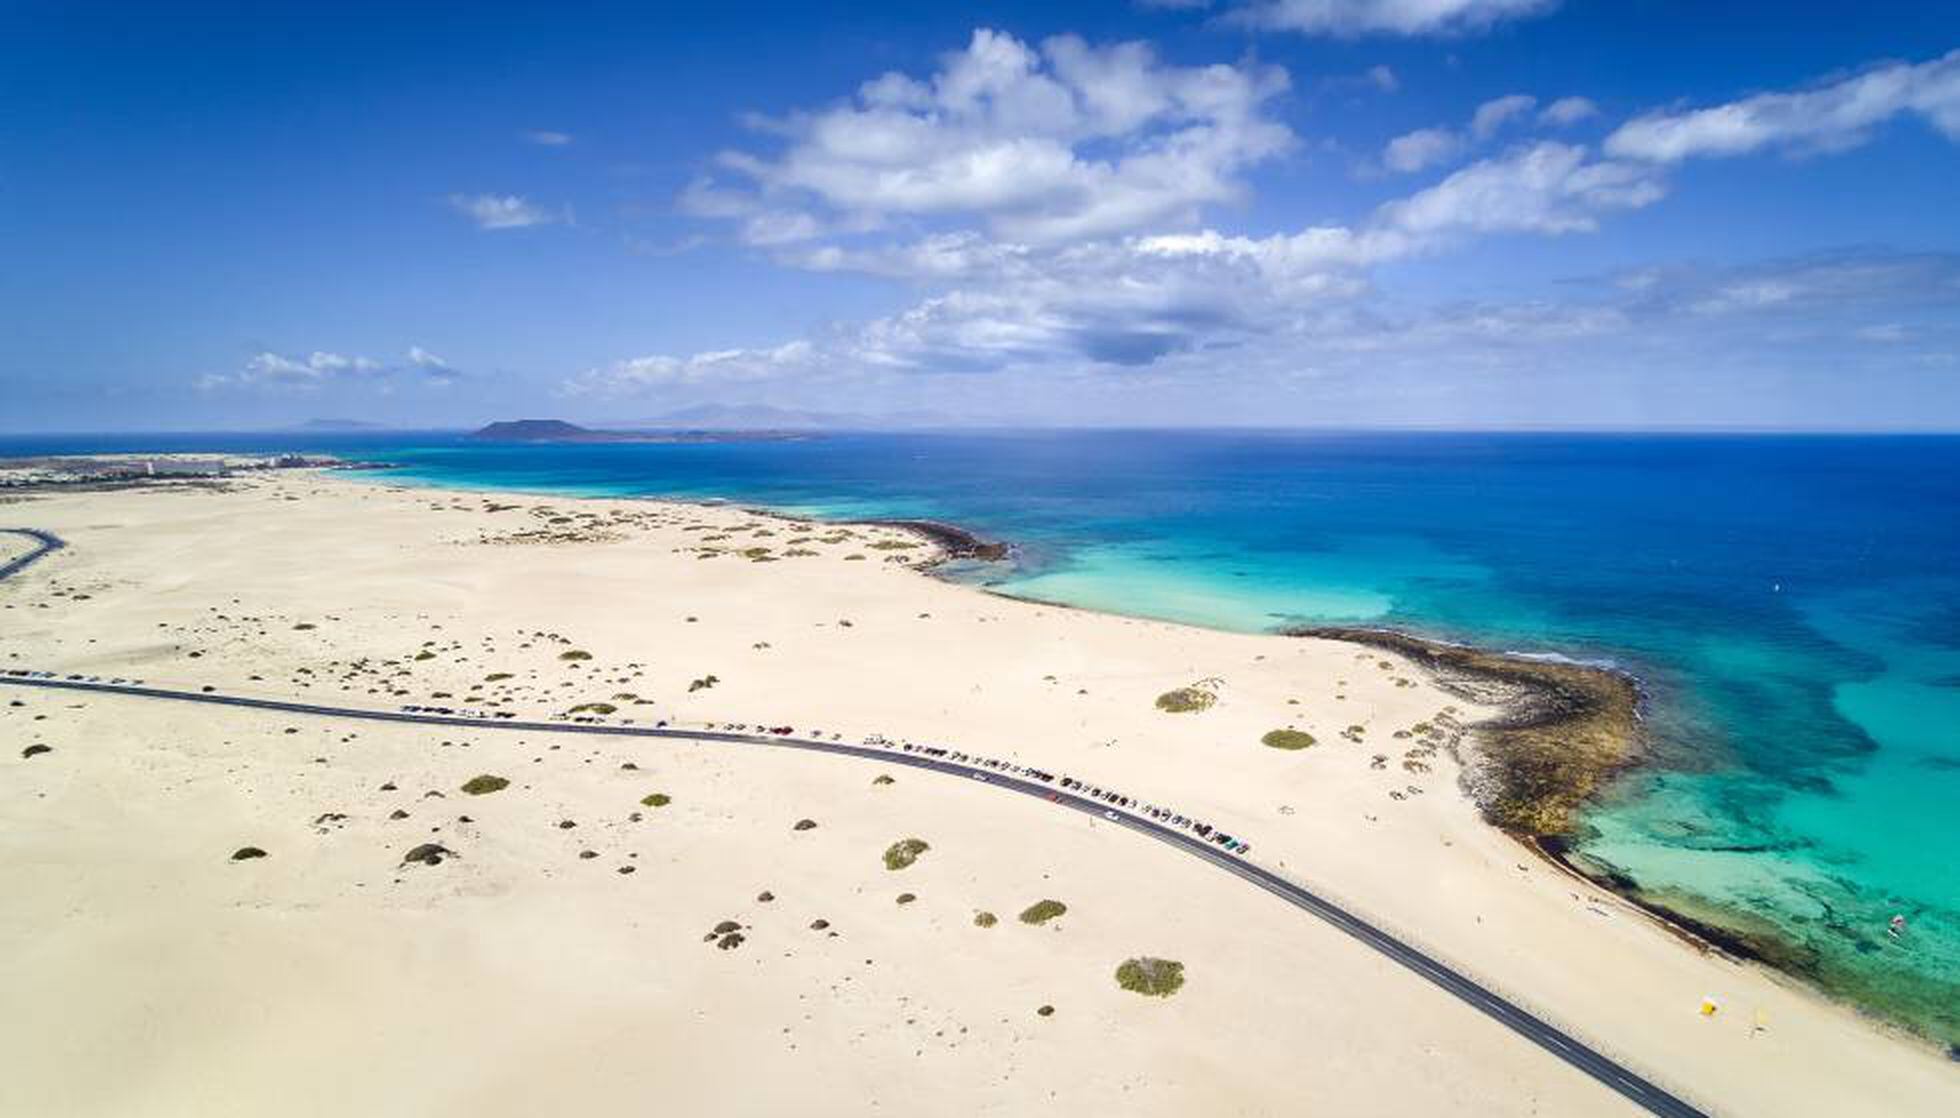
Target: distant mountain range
pixel 750 417
pixel 339 425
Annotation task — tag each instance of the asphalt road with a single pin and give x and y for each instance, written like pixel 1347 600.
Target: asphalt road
pixel 1643 1093
pixel 1573 1051
pixel 49 543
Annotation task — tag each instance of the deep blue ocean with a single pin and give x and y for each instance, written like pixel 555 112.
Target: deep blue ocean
pixel 1791 605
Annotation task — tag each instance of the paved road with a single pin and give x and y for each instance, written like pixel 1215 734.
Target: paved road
pixel 49 542
pixel 1547 1036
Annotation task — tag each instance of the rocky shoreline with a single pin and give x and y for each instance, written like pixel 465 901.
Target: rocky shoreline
pixel 1566 729
pixel 952 541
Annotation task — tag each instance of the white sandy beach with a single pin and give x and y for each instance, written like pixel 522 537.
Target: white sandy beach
pixel 149 974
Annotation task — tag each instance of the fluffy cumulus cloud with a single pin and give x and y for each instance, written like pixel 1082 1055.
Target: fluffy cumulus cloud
pixel 1834 116
pixel 1040 143
pixel 1542 188
pixel 320 369
pixel 1046 209
pixel 1425 147
pixel 1145 299
pixel 1568 111
pixel 502 211
pixel 1348 18
pixel 1492 115
pixel 1432 147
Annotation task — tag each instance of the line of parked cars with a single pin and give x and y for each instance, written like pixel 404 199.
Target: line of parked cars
pixel 72 677
pixel 1162 815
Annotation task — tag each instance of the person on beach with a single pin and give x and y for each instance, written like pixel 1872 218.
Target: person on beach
pixel 1897 927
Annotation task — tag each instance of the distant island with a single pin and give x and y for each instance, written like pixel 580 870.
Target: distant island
pixel 559 431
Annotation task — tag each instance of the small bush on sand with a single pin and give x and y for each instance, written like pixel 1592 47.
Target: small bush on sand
pixel 481 785
pixel 1157 978
pixel 904 852
pixel 882 779
pixel 657 799
pixel 703 683
pixel 1287 739
pixel 594 708
pixel 575 654
pixel 985 919
pixel 1041 912
pixel 1189 700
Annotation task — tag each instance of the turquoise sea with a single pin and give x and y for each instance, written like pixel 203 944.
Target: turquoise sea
pixel 1791 605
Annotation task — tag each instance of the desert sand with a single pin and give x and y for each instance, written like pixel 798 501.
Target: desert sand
pixel 563 958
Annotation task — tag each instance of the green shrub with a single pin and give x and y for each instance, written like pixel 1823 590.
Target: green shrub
pixel 1041 912
pixel 1186 700
pixel 985 919
pixel 483 785
pixel 657 799
pixel 1157 978
pixel 904 852
pixel 1287 739
pixel 593 708
pixel 575 654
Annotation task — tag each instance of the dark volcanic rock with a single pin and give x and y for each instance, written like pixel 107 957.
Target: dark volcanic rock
pixel 429 854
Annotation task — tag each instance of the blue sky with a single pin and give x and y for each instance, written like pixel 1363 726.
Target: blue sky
pixel 1481 213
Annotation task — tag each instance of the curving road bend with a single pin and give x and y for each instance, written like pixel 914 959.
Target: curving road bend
pixel 1645 1094
pixel 1640 1091
pixel 49 544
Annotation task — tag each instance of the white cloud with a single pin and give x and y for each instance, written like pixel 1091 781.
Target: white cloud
pixel 312 368
pixel 547 138
pixel 321 368
pixel 430 365
pixel 1830 117
pixel 1144 300
pixel 1425 147
pixel 1492 115
pixel 1349 18
pixel 1383 79
pixel 1431 147
pixel 1066 141
pixel 502 211
pixel 1542 188
pixel 639 374
pixel 1567 111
